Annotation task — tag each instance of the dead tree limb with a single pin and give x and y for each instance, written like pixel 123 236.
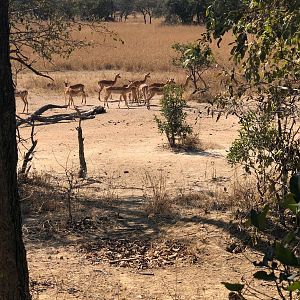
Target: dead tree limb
pixel 29 154
pixel 55 118
pixel 83 168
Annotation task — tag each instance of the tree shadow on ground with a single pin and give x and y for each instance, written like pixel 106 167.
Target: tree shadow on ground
pixel 120 218
pixel 202 153
pixel 93 219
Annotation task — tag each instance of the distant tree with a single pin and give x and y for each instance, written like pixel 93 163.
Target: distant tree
pixel 14 282
pixel 159 10
pixel 182 9
pixel 53 36
pixel 186 11
pixel 124 8
pixel 200 10
pixel 195 58
pixel 101 10
pixel 146 8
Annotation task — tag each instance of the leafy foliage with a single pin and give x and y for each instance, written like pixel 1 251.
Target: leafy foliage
pixel 196 58
pixel 268 146
pixel 280 264
pixel 262 88
pixel 185 11
pixel 174 125
pixel 46 29
pixel 273 53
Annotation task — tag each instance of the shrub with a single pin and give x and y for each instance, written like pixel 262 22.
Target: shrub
pixel 174 125
pixel 158 202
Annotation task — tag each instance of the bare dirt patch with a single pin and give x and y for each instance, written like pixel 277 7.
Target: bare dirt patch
pixel 115 248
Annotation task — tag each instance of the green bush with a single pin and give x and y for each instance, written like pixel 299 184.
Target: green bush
pixel 174 124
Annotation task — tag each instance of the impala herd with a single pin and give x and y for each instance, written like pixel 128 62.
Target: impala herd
pixel 134 91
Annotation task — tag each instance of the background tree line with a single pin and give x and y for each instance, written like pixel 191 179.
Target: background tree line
pixel 173 11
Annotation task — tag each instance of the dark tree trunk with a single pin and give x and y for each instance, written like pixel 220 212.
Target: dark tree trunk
pixel 145 16
pixel 83 169
pixel 14 283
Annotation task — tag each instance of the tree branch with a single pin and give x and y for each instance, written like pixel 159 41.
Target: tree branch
pixel 30 67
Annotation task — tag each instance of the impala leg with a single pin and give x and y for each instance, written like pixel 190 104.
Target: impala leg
pixel 100 89
pixel 126 102
pixel 106 101
pixel 120 98
pixel 150 95
pixel 71 101
pixel 26 102
pixel 83 101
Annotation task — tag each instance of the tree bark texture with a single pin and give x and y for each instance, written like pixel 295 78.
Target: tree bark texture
pixel 83 168
pixel 14 282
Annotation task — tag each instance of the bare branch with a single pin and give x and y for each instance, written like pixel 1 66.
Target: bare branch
pixel 31 68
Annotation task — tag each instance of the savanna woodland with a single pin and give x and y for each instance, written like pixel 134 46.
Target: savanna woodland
pixel 149 149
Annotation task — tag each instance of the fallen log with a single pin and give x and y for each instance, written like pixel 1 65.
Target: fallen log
pixel 55 118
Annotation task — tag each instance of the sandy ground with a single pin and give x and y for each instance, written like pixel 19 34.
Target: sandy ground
pixel 123 140
pixel 121 147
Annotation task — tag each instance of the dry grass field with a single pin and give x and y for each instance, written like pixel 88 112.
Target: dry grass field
pixel 146 48
pixel 148 223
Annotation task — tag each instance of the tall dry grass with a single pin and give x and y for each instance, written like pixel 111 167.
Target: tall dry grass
pixel 146 48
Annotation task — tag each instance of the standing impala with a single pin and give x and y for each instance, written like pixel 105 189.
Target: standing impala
pixel 107 83
pixel 159 90
pixel 23 94
pixel 138 83
pixel 74 90
pixel 121 90
pixel 143 89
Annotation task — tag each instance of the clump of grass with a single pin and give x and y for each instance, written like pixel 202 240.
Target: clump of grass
pixel 40 193
pixel 205 96
pixel 207 200
pixel 243 195
pixel 158 201
pixel 191 143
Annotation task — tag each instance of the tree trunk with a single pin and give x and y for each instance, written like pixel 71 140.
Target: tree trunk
pixel 83 169
pixel 145 17
pixel 194 78
pixel 14 282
